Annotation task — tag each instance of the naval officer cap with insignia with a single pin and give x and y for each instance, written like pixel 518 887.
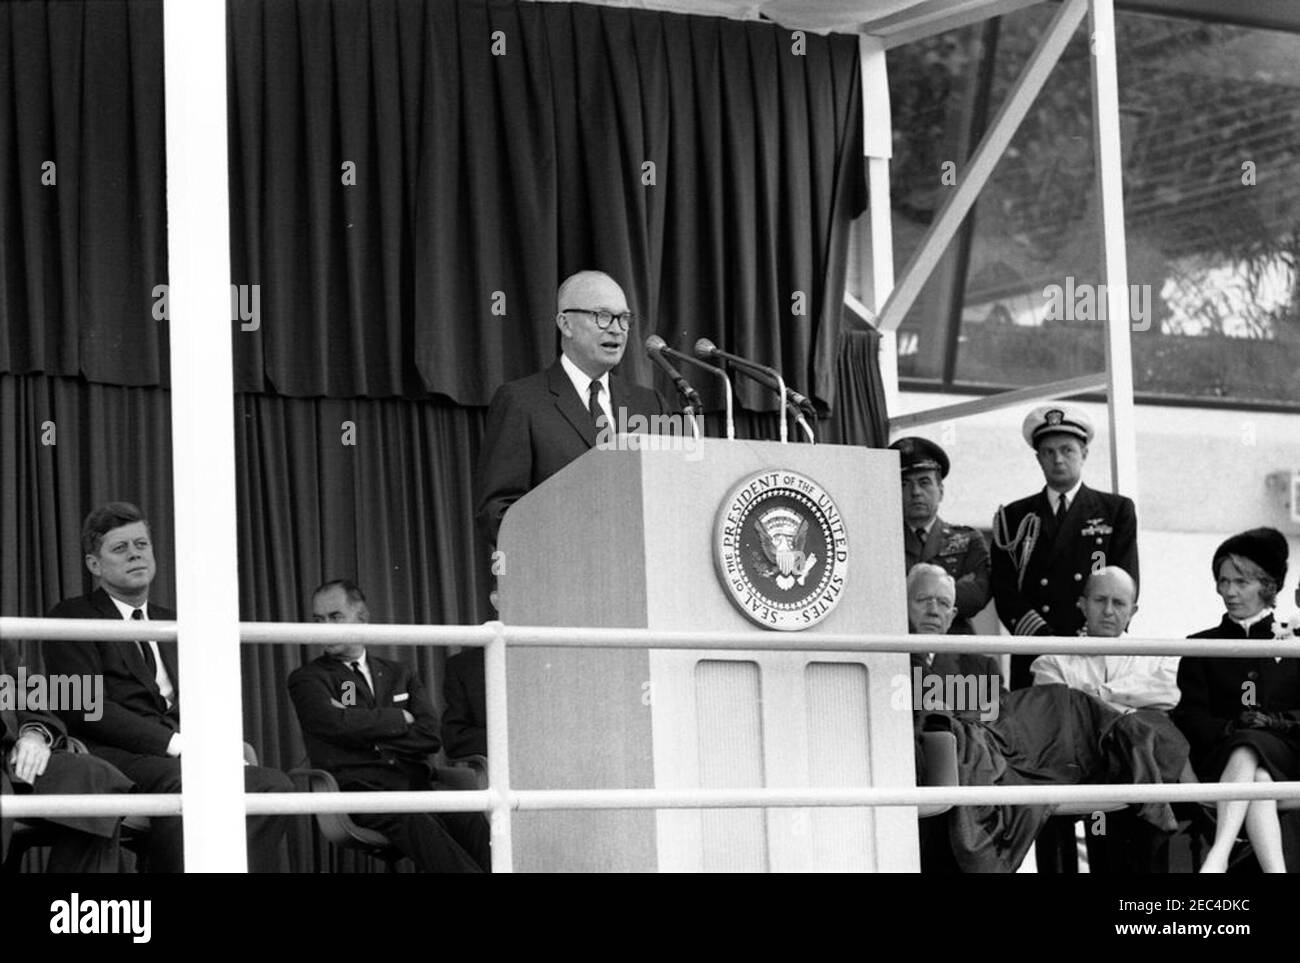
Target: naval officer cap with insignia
pixel 1048 420
pixel 1059 435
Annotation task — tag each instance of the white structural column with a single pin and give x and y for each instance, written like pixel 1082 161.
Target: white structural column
pixel 878 147
pixel 203 442
pixel 498 736
pixel 1114 270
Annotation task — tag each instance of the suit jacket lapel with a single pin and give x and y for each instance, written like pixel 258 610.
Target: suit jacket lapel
pixel 567 401
pixel 933 541
pixel 359 680
pixel 8 717
pixel 619 400
pixel 380 676
pixel 1082 504
pixel 128 652
pixel 168 652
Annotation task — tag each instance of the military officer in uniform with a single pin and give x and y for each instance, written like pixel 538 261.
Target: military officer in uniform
pixel 1045 546
pixel 958 549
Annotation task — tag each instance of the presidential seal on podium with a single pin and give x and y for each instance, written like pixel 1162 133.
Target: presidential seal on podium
pixel 780 549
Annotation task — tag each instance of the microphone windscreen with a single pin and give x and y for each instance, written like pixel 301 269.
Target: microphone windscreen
pixel 705 349
pixel 654 343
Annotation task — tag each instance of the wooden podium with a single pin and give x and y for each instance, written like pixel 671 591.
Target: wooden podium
pixel 624 538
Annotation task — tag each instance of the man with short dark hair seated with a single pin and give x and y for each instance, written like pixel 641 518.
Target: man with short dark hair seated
pixel 369 723
pixel 139 731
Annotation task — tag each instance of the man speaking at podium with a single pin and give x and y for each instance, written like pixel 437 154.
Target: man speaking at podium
pixel 538 424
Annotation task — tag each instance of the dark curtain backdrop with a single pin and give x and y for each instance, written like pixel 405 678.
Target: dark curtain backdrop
pixel 83 243
pixel 483 176
pixel 359 411
pixel 481 179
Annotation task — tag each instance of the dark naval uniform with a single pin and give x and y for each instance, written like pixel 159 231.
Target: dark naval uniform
pixel 961 552
pixel 1039 568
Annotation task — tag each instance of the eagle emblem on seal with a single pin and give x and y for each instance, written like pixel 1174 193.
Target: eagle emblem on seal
pixel 782 533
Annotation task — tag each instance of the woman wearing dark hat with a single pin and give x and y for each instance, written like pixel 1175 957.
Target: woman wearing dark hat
pixel 1242 715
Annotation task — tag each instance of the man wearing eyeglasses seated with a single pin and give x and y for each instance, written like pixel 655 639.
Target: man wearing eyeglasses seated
pixel 931 608
pixel 538 424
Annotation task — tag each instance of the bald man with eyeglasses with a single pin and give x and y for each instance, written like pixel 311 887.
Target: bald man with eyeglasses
pixel 538 424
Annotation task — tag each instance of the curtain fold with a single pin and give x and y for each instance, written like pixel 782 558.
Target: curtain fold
pixel 410 179
pixel 860 417
pixel 83 221
pixel 377 491
pixel 390 176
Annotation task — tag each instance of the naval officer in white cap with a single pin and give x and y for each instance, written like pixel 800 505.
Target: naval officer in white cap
pixel 1045 546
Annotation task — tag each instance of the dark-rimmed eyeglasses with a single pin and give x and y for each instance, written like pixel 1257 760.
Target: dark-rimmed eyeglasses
pixel 605 318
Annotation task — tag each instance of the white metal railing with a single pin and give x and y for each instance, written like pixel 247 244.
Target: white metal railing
pixel 499 800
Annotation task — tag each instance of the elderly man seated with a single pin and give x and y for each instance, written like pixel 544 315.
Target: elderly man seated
pixel 1043 734
pixel 1122 841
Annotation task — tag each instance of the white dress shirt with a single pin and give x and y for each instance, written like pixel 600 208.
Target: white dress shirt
pixel 1054 496
pixel 364 668
pixel 582 384
pixel 161 678
pixel 1123 682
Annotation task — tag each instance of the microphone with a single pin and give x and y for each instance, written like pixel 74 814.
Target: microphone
pixel 654 346
pixel 706 349
pixel 791 401
pixel 712 369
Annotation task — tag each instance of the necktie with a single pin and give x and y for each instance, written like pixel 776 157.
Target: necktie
pixel 593 405
pixel 920 539
pixel 146 650
pixel 1060 509
pixel 362 683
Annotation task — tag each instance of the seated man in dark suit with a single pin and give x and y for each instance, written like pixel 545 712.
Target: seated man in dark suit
pixel 35 757
pixel 368 721
pixel 538 424
pixel 140 729
pixel 464 721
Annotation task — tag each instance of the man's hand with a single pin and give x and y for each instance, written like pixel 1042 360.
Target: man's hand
pixel 410 719
pixel 174 745
pixel 1252 719
pixel 29 757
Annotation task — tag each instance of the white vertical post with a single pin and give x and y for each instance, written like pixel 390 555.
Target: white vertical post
pixel 498 740
pixel 878 147
pixel 203 443
pixel 1114 273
